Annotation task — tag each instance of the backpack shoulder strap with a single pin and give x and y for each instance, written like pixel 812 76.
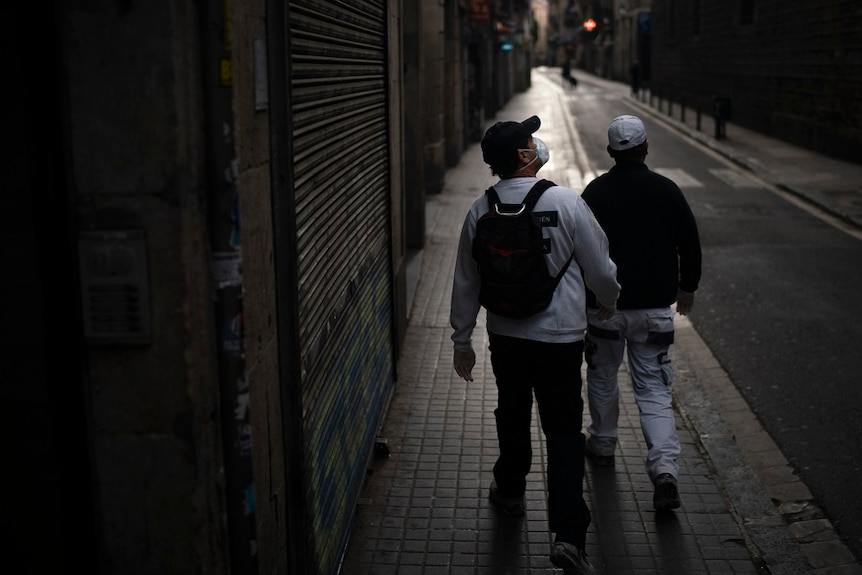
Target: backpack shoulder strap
pixel 529 201
pixel 537 190
pixel 565 268
pixel 493 198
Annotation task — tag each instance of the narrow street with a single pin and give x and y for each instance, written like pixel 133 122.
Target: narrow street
pixel 425 507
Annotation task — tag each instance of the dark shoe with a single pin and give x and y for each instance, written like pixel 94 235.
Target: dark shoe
pixel 600 460
pixel 572 559
pixel 666 494
pixel 513 506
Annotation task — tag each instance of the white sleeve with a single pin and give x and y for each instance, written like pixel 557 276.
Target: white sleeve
pixel 591 253
pixel 465 288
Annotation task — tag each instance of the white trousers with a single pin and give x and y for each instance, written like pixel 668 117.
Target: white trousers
pixel 646 335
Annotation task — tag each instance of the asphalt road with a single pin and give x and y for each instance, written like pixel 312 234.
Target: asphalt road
pixel 779 305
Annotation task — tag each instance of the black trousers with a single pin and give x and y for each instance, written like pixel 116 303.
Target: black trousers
pixel 551 371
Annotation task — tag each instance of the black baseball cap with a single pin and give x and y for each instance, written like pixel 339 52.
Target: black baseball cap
pixel 502 141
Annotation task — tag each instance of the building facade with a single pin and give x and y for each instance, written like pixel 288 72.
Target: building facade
pixel 210 223
pixel 790 69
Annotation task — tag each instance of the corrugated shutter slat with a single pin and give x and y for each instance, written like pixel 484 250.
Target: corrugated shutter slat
pixel 339 124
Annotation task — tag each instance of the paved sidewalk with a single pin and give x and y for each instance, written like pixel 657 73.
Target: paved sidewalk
pixel 829 184
pixel 424 509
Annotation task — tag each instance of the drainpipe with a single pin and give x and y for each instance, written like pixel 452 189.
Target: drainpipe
pixel 224 232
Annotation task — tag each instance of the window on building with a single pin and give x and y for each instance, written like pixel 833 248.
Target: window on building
pixel 695 17
pixel 746 12
pixel 671 18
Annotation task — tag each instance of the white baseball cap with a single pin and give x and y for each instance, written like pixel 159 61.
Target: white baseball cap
pixel 626 132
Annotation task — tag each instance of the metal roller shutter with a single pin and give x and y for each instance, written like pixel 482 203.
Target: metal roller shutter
pixel 338 106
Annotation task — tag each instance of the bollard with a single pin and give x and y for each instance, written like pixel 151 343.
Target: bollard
pixel 721 114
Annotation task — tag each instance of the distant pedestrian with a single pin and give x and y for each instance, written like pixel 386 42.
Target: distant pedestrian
pixel 655 244
pixel 541 353
pixel 569 81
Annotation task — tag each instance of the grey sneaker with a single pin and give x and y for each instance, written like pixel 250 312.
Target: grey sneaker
pixel 666 495
pixel 595 457
pixel 571 559
pixel 513 506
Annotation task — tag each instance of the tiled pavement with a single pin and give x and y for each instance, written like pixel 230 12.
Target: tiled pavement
pixel 424 509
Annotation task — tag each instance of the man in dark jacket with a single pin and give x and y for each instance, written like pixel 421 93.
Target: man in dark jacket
pixel 655 243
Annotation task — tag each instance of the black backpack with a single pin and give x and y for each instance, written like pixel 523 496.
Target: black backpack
pixel 510 251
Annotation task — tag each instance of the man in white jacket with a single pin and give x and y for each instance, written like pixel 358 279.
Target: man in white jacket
pixel 541 353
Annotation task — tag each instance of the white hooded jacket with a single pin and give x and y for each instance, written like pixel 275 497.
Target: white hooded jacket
pixel 572 229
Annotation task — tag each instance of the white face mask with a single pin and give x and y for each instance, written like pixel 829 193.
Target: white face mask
pixel 542 153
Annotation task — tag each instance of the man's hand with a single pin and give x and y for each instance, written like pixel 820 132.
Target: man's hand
pixel 684 302
pixel 606 312
pixel 464 362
